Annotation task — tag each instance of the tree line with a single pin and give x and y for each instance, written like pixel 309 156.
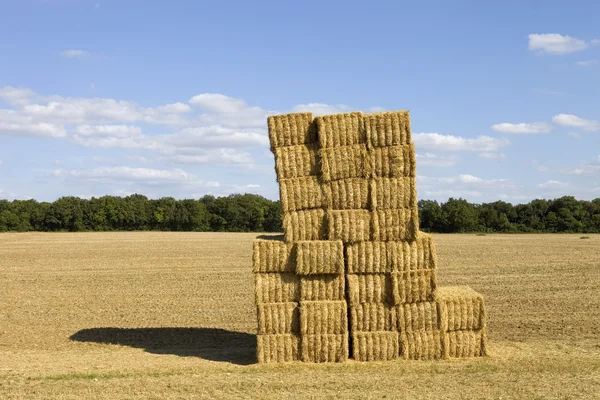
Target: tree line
pixel 253 213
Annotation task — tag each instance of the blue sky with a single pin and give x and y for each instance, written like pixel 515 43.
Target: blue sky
pixel 171 98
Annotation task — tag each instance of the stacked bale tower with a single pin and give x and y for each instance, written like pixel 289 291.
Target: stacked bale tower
pixel 353 267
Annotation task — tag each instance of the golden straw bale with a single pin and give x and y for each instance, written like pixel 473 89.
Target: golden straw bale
pixel 322 287
pixel 277 348
pixel 414 286
pixel 369 257
pixel 272 256
pixel 390 128
pixel 393 193
pixel 305 225
pixel 369 288
pixel 393 162
pixel 347 194
pixel 423 345
pixel 375 346
pixel 395 225
pixel 324 348
pixel 461 308
pixel 349 226
pixel 338 130
pixel 323 317
pixel 296 161
pixel 345 162
pixel 301 194
pixel 276 287
pixel 276 318
pixel 467 343
pixel 423 315
pixel 319 257
pixel 372 317
pixel 291 129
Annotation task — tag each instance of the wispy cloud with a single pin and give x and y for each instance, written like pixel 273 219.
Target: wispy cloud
pixel 587 63
pixel 436 142
pixel 576 122
pixel 556 44
pixel 74 53
pixel 523 128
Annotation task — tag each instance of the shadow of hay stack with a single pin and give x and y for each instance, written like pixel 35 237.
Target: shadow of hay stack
pixel 206 343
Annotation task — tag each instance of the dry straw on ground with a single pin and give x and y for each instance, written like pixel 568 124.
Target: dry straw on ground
pixel 385 129
pixel 339 130
pixel 277 318
pixel 322 287
pixel 301 194
pixel 461 308
pixel 422 345
pixel 349 226
pixel 352 194
pixel 375 346
pixel 324 348
pixel 296 161
pixel 414 286
pixel 272 256
pixel 291 129
pixel 393 193
pixel 276 287
pixel 305 225
pixel 318 257
pixel 345 162
pixel 323 317
pixel 372 317
pixel 277 348
pixel 369 288
pixel 423 315
pixel 469 343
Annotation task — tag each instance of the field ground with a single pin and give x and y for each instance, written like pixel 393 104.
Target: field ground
pixel 171 315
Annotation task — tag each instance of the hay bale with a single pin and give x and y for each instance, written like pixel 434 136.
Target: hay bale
pixel 305 225
pixel 277 348
pixel 337 130
pixel 276 287
pixel 324 348
pixel 467 343
pixel 375 346
pixel 393 193
pixel 349 226
pixel 319 257
pixel 345 162
pixel 461 308
pixel 395 225
pixel 296 161
pixel 423 345
pixel 423 315
pixel 322 287
pixel 414 286
pixel 369 288
pixel 390 128
pixel 277 318
pixel 347 194
pixel 272 256
pixel 372 317
pixel 291 129
pixel 393 161
pixel 323 317
pixel 301 194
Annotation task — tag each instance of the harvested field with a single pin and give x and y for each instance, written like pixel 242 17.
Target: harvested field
pixel 172 315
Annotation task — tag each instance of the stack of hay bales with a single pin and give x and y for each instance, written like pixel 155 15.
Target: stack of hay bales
pixel 353 266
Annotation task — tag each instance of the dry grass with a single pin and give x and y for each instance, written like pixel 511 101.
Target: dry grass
pixel 172 315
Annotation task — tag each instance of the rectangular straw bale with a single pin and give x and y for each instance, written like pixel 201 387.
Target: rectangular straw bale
pixel 276 287
pixel 369 258
pixel 345 162
pixel 390 128
pixel 296 161
pixel 301 194
pixel 305 225
pixel 324 348
pixel 347 194
pixel 322 287
pixel 393 161
pixel 414 286
pixel 277 348
pixel 277 318
pixel 395 225
pixel 423 315
pixel 323 317
pixel 375 346
pixel 291 129
pixel 423 345
pixel 369 288
pixel 272 256
pixel 372 317
pixel 393 193
pixel 467 343
pixel 318 257
pixel 461 308
pixel 338 130
pixel 349 226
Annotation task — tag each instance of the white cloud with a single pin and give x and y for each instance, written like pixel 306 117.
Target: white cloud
pixel 18 96
pixel 252 186
pixel 433 160
pixel 119 131
pixel 555 44
pixel 576 122
pixel 449 143
pixel 491 155
pixel 73 53
pixel 587 63
pixel 322 109
pixel 588 168
pixel 15 124
pixel 465 179
pixel 175 108
pixel 575 135
pixel 523 128
pixel 552 185
pixel 218 103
